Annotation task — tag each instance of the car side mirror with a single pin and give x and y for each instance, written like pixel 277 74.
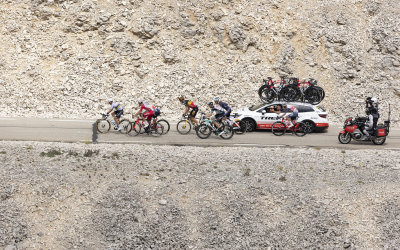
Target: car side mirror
pixel 263 112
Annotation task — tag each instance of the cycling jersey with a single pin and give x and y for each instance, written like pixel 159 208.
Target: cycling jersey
pixel 116 106
pixel 146 107
pixel 225 106
pixel 189 104
pixel 218 110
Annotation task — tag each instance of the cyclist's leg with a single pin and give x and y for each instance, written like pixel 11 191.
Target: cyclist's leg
pixel 115 117
pixel 192 116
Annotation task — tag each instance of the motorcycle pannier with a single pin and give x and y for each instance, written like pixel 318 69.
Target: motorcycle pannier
pixel 381 132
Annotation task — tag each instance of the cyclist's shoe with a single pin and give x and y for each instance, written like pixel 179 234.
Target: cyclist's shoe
pixel 221 133
pixel 115 128
pixel 147 129
pixel 119 128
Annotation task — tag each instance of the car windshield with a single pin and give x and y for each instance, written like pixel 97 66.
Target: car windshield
pixel 257 106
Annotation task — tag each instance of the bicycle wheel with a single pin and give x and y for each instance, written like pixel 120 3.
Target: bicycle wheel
pixel 227 132
pixel 278 128
pixel 321 92
pixel 289 93
pixel 103 126
pixel 157 129
pixel 136 128
pixel 183 127
pixel 312 96
pixel 125 126
pixel 203 131
pixel 165 125
pixel 300 129
pixel 241 129
pixel 266 94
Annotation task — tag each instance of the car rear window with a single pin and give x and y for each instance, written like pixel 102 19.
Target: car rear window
pixel 303 109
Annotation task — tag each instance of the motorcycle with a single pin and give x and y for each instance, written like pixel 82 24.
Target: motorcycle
pixel 352 130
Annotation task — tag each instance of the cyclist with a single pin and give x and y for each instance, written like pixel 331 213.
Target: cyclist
pixel 218 113
pixel 290 114
pixel 116 111
pixel 194 109
pixel 223 105
pixel 147 115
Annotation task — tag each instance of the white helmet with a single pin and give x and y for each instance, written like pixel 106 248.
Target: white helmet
pixel 140 101
pixel 374 100
pixel 110 100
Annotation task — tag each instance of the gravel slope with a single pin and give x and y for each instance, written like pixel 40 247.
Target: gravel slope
pixel 63 196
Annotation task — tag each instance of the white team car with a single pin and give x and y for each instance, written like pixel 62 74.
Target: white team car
pixel 261 116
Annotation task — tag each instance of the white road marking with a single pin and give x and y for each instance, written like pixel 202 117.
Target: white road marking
pixel 7 119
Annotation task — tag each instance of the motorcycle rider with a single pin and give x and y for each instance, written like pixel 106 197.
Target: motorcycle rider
pixel 368 124
pixel 371 105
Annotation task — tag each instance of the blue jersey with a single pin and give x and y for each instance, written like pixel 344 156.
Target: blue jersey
pixel 225 106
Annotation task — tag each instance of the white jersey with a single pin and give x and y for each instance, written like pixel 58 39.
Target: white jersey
pixel 116 106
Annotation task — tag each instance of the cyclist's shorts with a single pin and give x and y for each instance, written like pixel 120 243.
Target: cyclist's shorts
pixel 293 117
pixel 228 114
pixel 118 113
pixel 194 111
pixel 148 115
pixel 219 117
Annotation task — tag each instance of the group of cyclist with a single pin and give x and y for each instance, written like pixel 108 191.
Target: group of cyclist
pixel 218 111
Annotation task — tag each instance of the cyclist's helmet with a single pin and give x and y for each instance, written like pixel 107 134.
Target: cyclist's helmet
pixel 181 98
pixel 216 99
pixel 140 101
pixel 110 100
pixel 210 104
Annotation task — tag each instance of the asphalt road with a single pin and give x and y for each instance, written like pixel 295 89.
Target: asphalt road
pixel 57 130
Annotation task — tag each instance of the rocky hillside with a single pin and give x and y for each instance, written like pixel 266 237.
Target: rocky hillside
pixel 77 196
pixel 62 58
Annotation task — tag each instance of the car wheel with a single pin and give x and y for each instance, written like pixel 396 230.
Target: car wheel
pixel 309 126
pixel 250 124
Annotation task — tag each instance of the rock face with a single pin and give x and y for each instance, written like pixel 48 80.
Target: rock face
pixel 63 58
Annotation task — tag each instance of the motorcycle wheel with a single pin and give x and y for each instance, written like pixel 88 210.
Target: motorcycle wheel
pixel 344 138
pixel 266 94
pixel 379 140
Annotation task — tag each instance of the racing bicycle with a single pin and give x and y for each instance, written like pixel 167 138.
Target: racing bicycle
pixel 164 123
pixel 103 125
pixel 207 127
pixel 136 127
pixel 303 90
pixel 239 126
pixel 184 126
pixel 280 128
pixel 268 92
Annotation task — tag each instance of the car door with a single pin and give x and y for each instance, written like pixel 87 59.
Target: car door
pixel 267 117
